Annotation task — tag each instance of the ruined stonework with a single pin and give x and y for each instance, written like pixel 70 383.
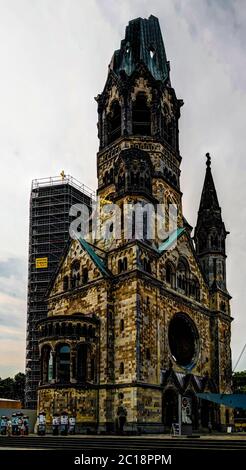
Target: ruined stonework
pixel 134 323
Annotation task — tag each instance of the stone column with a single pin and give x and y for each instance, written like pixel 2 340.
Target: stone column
pixel 57 367
pixel 53 353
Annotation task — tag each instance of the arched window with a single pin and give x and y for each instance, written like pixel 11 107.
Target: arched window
pixel 63 329
pixel 64 363
pixel 47 364
pixel 75 266
pixel 196 289
pixel 141 123
pixel 169 128
pixel 111 175
pixel 114 122
pixel 75 276
pixel 82 362
pixel 50 329
pixel 50 367
pixel 92 374
pixel 73 281
pixel 170 275
pixel 147 180
pixel 121 179
pixel 125 264
pixel 85 275
pixel 122 265
pixel 145 225
pixel 78 330
pixel 202 242
pixel 122 325
pixel 105 177
pixel 119 266
pixel 122 368
pixel 222 306
pixel 57 329
pixel 214 241
pixel 182 275
pixel 65 283
pixel 147 265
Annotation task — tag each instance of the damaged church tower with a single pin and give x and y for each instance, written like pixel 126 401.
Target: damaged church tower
pixel 134 323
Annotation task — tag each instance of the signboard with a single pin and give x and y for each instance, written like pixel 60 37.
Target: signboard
pixel 175 430
pixel 186 407
pixel 41 263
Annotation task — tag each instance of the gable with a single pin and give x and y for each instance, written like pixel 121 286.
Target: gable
pixel 180 256
pixel 77 268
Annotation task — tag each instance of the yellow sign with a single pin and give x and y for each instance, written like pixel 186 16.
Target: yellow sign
pixel 41 263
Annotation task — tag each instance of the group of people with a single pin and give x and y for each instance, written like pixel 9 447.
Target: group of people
pixel 61 424
pixel 16 425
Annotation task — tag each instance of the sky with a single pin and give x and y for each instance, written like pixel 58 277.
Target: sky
pixel 54 56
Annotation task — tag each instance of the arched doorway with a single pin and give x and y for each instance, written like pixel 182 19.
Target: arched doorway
pixel 170 407
pixel 141 116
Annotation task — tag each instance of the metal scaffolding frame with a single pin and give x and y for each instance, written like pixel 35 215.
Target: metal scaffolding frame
pixel 50 202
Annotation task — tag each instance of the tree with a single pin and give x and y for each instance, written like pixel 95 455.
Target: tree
pixel 239 382
pixel 19 386
pixel 13 388
pixel 239 386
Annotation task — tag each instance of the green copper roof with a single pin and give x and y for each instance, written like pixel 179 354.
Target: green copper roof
pixel 171 239
pixel 99 262
pixel 234 400
pixel 143 43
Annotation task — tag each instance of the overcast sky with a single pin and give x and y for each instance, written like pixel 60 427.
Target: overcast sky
pixel 54 56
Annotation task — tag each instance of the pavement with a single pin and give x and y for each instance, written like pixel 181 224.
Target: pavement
pixel 119 443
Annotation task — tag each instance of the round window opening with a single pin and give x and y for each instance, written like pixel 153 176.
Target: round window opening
pixel 183 340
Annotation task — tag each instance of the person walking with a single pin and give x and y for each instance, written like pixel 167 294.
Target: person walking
pixel 9 427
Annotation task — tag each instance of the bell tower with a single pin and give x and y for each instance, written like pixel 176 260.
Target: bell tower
pixel 138 114
pixel 210 237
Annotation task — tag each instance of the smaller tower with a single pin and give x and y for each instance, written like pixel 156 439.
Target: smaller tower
pixel 210 236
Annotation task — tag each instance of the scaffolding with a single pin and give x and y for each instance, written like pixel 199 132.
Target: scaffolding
pixel 50 203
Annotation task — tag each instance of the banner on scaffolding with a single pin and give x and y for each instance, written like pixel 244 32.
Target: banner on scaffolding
pixel 41 263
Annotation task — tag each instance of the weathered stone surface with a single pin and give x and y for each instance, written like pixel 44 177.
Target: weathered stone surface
pixel 123 317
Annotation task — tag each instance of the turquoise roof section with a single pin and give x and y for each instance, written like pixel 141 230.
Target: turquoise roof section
pixel 99 262
pixel 143 43
pixel 171 239
pixel 234 400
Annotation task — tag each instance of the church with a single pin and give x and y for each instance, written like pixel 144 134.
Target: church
pixel 135 323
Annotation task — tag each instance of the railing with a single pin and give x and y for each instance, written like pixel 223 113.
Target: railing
pixel 66 179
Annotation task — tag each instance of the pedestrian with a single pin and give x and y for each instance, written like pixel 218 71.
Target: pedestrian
pixel 26 425
pixel 9 427
pixel 3 425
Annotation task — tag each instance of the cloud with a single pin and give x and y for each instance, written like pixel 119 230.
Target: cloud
pixel 12 336
pixel 12 315
pixel 13 277
pixel 54 58
pixel 12 266
pixel 11 357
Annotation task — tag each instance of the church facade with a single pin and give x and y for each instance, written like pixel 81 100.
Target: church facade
pixel 134 323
